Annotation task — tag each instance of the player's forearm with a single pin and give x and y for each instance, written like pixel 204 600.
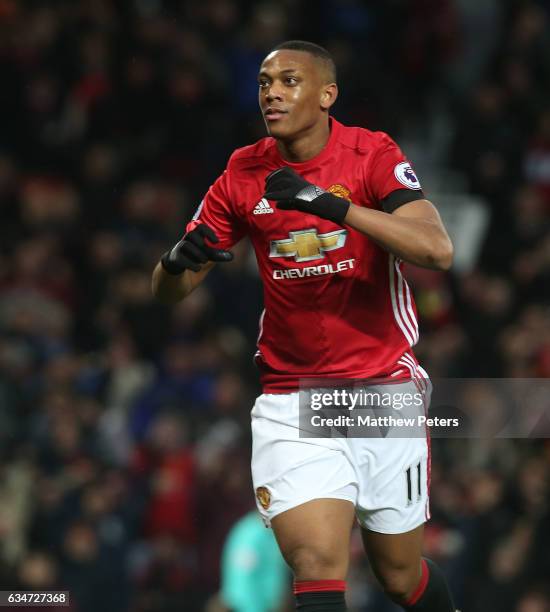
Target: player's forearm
pixel 423 242
pixel 171 288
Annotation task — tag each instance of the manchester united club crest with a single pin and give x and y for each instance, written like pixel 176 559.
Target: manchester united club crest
pixel 340 191
pixel 264 497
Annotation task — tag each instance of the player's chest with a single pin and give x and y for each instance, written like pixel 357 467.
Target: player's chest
pixel 265 219
pixel 291 242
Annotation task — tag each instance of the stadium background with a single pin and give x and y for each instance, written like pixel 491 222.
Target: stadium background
pixel 124 433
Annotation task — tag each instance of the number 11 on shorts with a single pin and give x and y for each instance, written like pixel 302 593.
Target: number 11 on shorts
pixel 417 473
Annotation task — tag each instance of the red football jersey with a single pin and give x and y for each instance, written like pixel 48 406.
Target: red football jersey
pixel 336 304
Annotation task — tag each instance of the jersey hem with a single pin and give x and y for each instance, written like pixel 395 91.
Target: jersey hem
pixel 286 385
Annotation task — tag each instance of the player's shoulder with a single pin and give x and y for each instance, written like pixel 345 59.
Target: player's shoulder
pixel 252 157
pixel 363 140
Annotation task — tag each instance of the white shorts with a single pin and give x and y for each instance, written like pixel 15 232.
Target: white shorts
pixel 387 479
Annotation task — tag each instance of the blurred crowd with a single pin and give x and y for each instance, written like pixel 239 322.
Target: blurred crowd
pixel 124 436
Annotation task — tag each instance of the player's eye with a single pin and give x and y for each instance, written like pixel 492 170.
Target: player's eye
pixel 262 83
pixel 291 80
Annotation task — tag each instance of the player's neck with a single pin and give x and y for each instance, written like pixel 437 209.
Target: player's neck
pixel 305 146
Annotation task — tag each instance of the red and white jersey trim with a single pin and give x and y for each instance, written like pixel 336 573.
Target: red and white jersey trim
pixel 261 326
pixel 402 303
pixel 260 333
pixel 417 372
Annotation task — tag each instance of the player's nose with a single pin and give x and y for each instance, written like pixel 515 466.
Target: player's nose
pixel 273 93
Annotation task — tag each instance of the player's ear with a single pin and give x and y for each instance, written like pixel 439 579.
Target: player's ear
pixel 329 93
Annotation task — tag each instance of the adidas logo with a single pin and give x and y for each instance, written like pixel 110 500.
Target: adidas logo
pixel 262 208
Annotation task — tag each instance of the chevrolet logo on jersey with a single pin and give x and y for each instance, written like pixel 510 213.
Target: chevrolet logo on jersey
pixel 307 245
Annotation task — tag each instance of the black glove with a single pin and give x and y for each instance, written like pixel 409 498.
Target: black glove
pixel 292 192
pixel 192 250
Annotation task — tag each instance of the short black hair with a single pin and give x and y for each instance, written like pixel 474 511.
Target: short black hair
pixel 313 49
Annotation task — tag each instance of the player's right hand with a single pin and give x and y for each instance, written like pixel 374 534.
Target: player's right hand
pixel 192 251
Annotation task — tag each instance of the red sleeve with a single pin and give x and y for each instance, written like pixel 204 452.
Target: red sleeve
pixel 389 170
pixel 217 210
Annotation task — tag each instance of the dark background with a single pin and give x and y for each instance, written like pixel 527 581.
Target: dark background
pixel 124 426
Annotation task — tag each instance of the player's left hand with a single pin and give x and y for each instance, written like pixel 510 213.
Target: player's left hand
pixel 292 192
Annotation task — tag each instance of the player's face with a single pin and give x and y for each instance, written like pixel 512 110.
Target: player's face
pixel 292 93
